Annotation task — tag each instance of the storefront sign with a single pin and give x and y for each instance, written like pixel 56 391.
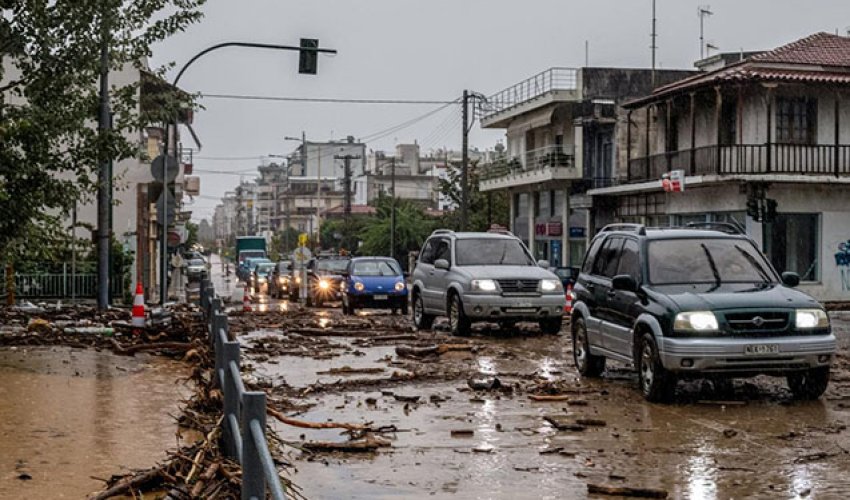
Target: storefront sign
pixel 577 232
pixel 554 229
pixel 673 182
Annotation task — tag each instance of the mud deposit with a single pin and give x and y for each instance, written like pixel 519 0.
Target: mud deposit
pixel 70 415
pixel 502 414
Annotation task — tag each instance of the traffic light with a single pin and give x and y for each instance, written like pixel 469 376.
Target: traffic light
pixel 308 60
pixel 769 210
pixel 753 209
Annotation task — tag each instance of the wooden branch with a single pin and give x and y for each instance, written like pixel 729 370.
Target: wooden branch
pixel 544 397
pixel 348 446
pixel 128 483
pixel 314 425
pixel 625 491
pixel 133 349
pixel 205 477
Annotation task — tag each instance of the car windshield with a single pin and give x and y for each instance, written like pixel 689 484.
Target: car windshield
pixel 715 261
pixel 332 265
pixel 264 268
pixel 492 252
pixel 376 268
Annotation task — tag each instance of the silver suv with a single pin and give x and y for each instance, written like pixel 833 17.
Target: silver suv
pixel 472 277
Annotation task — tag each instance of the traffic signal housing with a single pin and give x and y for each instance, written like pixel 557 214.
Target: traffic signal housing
pixel 308 60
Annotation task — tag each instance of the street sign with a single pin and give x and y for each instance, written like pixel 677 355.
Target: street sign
pixel 302 240
pixel 172 168
pixel 673 182
pixel 302 254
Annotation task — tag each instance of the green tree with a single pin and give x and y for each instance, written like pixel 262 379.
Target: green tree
pixel 343 234
pixel 412 228
pixel 191 234
pixel 49 71
pixel 484 208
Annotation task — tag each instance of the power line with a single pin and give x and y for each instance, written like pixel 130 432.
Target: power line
pixel 329 100
pixel 229 158
pixel 401 126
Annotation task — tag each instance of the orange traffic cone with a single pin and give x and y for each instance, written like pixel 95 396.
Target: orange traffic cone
pixel 246 300
pixel 568 307
pixel 139 307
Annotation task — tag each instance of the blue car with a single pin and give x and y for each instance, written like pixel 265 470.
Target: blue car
pixel 374 283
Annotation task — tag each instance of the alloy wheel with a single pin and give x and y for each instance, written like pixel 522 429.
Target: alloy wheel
pixel 646 368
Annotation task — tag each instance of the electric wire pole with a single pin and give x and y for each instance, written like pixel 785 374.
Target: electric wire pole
pixel 104 181
pixel 392 207
pixel 346 207
pixel 654 45
pixel 464 186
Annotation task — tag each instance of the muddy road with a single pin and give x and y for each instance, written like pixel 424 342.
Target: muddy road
pixel 463 417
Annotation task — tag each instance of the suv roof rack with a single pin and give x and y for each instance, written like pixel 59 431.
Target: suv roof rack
pixel 725 227
pixel 442 231
pixel 638 228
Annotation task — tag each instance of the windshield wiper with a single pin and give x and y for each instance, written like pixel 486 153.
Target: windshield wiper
pixel 504 254
pixel 752 260
pixel 713 267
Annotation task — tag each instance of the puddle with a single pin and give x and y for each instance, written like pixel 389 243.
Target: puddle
pixel 69 414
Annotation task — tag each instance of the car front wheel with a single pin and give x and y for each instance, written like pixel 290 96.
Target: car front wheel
pixel 656 383
pixel 551 326
pixel 587 364
pixel 459 323
pixel 421 319
pixel 809 384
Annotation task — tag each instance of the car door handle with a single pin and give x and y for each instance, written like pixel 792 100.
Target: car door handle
pixel 590 287
pixel 612 293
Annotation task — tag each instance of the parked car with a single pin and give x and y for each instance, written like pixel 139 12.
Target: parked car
pixel 260 275
pixel 279 282
pixel 473 277
pixel 196 269
pixel 700 301
pixel 374 283
pixel 324 276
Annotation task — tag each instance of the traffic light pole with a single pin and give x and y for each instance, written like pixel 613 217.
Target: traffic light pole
pixel 309 50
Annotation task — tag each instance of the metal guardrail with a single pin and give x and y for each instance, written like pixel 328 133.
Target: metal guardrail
pixel 64 284
pixel 546 81
pixel 244 421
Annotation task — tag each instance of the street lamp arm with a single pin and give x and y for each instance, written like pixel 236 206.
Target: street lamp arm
pixel 247 44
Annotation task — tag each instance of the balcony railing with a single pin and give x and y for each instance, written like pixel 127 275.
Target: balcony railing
pixel 535 159
pixel 547 81
pixel 799 159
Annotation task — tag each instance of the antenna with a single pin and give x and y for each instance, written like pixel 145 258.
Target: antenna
pixel 653 46
pixel 586 53
pixel 703 11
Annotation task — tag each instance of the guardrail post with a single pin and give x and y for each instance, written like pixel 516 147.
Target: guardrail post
pixel 203 296
pixel 210 296
pixel 253 482
pixel 219 322
pixel 219 327
pixel 231 396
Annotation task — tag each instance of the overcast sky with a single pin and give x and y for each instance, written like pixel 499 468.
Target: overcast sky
pixel 430 50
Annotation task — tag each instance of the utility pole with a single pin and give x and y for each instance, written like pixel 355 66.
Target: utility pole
pixel 392 207
pixel 464 186
pixel 654 45
pixel 346 207
pixel 104 182
pixel 319 201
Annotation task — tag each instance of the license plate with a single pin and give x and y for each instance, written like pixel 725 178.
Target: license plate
pixel 758 349
pixel 524 305
pixel 520 310
pixel 380 297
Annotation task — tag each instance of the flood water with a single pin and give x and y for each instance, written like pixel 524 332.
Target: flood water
pixel 68 416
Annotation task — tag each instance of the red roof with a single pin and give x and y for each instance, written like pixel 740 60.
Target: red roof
pixel 819 58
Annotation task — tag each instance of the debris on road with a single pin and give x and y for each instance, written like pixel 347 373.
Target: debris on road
pixel 624 491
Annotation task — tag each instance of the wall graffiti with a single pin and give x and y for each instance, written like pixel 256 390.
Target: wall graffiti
pixel 842 260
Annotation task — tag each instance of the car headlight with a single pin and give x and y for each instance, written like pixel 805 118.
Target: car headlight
pixel 324 285
pixel 483 285
pixel 399 286
pixel 298 280
pixel 262 280
pixel 696 321
pixel 359 286
pixel 807 319
pixel 281 280
pixel 551 286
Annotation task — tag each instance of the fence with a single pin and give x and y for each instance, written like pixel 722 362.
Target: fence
pixel 59 282
pixel 244 422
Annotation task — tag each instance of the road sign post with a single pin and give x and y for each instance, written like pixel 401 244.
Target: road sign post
pixel 302 256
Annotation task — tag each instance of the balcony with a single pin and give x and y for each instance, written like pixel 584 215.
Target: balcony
pixel 552 85
pixel 550 163
pixel 745 159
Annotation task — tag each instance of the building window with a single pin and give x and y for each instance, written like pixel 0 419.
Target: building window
pixel 791 242
pixel 796 120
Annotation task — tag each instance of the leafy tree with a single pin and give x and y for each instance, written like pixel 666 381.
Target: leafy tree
pixel 484 208
pixel 49 72
pixel 191 234
pixel 343 234
pixel 412 228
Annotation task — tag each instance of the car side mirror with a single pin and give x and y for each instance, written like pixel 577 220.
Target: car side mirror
pixel 543 263
pixel 406 275
pixel 790 279
pixel 625 283
pixel 441 264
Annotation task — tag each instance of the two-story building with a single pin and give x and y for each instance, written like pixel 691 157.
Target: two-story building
pixel 560 128
pixel 763 143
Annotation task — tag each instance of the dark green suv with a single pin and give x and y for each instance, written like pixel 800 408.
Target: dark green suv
pixel 699 301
